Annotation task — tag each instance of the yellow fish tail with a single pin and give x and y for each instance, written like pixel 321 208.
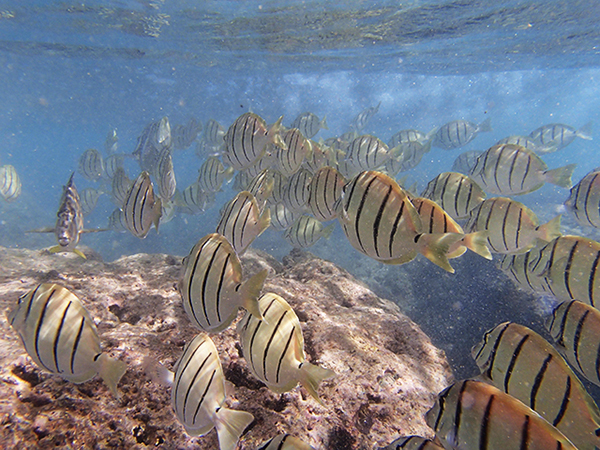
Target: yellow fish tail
pixel 477 242
pixel 311 376
pixel 550 230
pixel 250 291
pixel 435 248
pixel 561 176
pixel 230 425
pixel 111 370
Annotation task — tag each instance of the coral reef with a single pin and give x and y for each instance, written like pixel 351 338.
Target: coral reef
pixel 388 372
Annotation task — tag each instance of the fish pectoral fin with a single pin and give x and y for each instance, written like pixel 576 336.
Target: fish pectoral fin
pixel 79 253
pixel 42 230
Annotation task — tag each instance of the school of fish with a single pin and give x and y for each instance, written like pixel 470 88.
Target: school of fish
pixel 527 395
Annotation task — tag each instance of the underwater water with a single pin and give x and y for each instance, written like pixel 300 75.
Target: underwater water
pixel 72 72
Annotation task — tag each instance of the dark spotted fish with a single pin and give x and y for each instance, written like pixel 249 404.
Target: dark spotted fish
pixel 60 336
pixel 212 288
pixel 523 364
pixel 476 415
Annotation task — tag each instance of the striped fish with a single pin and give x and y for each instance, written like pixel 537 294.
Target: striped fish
pixel 165 176
pixel 246 139
pixel 199 393
pixel 559 136
pixel 60 336
pixel 436 220
pixel 279 187
pixel 368 152
pixel 510 169
pixel 318 157
pixel 295 194
pixel 584 200
pixel 575 329
pixel 261 186
pixel 91 165
pixel 306 231
pixel 285 442
pixel 324 190
pixel 274 348
pixel 112 163
pixel 268 160
pixel 459 133
pixel 154 139
pixel 363 118
pixel 282 217
pixel 293 155
pixel 242 222
pixel 528 143
pixel 511 226
pixel 570 265
pixel 193 200
pixel 69 222
pixel 309 124
pixel 116 221
pixel 407 156
pixel 111 143
pixel 456 193
pixel 212 288
pixel 465 162
pixel 10 183
pixel 475 415
pixel 89 199
pixel 214 133
pixel 141 209
pixel 521 363
pixel 183 136
pixel 406 136
pixel 120 186
pixel 241 180
pixel 516 267
pixel 212 174
pixel 413 443
pixel 380 221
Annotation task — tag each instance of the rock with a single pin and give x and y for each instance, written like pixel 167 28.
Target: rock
pixel 388 372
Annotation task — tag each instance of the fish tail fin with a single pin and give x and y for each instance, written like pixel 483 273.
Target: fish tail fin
pixel 477 242
pixel 561 176
pixel 230 425
pixel 431 135
pixel 250 291
pixel 56 249
pixel 550 230
pixel 158 373
pixel 323 123
pixel 311 376
pixel 275 136
pixel 435 247
pixel 485 126
pixel 111 370
pixel 328 230
pixel 157 210
pixel 79 253
pixel 585 132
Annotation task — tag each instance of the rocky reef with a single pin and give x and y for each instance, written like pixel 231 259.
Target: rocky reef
pixel 388 372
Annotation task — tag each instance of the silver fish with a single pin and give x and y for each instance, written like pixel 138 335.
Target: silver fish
pixel 558 136
pixel 213 173
pixel 306 231
pixel 10 183
pixel 456 193
pixel 459 133
pixel 367 152
pixel 406 136
pixel 297 148
pixel 154 139
pixel 165 176
pixel 183 136
pixel 282 217
pixel 112 163
pixel 324 190
pixel 295 195
pixel 193 200
pixel 111 143
pixel 465 162
pixel 214 133
pixel 584 200
pixel 141 208
pixel 120 186
pixel 363 118
pixel 91 165
pixel 89 199
pixel 309 124
pixel 60 336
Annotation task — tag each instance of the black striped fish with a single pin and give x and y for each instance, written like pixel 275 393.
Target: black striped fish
pixel 60 336
pixel 584 200
pixel 165 176
pixel 116 221
pixel 368 152
pixel 198 395
pixel 511 226
pixel 459 133
pixel 475 415
pixel 363 118
pixel 183 136
pixel 510 169
pixel 246 139
pixel 141 209
pixel 242 221
pixel 214 133
pixel 406 156
pixel 465 162
pixel 10 183
pixel 193 200
pixel 268 160
pixel 309 124
pixel 279 186
pixel 436 220
pixel 516 267
pixel 291 157
pixel 523 364
pixel 306 231
pixel 284 442
pixel 324 190
pixel 120 186
pixel 212 174
pixel 559 136
pixel 89 199
pixel 212 288
pixel 261 186
pixel 380 221
pixel 282 217
pixel 91 165
pixel 575 328
pixel 406 136
pixel 456 193
pixel 112 163
pixel 154 139
pixel 413 443
pixel 528 143
pixel 318 157
pixel 274 348
pixel 295 194
pixel 570 265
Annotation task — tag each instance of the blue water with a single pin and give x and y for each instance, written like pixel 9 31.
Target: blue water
pixel 71 72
